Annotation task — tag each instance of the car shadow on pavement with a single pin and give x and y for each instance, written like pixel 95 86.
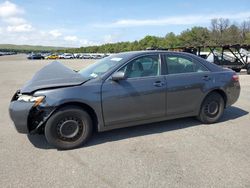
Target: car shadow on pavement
pixel 230 113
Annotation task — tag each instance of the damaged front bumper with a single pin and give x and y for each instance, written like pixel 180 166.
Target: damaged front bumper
pixel 19 113
pixel 28 118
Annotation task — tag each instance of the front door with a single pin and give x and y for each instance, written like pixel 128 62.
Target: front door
pixel 141 96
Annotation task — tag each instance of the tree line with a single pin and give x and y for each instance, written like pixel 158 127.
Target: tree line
pixel 220 32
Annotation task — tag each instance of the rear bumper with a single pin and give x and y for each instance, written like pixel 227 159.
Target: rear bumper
pixel 233 93
pixel 19 113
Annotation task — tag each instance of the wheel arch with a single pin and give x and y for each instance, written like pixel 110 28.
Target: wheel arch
pixel 84 107
pixel 219 91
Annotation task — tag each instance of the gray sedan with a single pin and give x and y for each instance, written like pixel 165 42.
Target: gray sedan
pixel 121 90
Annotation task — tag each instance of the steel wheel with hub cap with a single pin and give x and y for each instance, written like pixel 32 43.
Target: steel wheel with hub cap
pixel 68 128
pixel 212 108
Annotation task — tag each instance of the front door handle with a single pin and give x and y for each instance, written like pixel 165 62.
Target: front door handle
pixel 158 84
pixel 206 78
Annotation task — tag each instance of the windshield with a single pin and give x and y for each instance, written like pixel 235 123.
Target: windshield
pixel 100 67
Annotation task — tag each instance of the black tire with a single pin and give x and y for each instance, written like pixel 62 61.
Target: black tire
pixel 212 108
pixel 70 127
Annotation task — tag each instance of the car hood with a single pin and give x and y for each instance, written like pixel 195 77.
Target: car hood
pixel 53 75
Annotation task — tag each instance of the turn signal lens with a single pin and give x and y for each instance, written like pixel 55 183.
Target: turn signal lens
pixel 38 100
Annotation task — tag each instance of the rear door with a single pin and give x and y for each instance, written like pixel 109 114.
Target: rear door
pixel 141 96
pixel 186 81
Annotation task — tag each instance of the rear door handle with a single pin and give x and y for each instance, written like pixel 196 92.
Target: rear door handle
pixel 206 78
pixel 158 84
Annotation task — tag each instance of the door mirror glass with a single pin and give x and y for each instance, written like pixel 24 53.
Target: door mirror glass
pixel 120 75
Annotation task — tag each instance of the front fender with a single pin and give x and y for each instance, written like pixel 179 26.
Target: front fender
pixel 87 94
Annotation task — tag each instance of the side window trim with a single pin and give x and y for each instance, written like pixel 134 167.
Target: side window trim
pixel 164 68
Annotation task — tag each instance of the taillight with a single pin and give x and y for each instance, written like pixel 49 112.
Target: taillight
pixel 235 77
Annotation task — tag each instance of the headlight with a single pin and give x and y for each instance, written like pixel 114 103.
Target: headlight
pixel 27 98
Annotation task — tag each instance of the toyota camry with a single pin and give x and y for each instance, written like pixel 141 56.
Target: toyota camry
pixel 124 89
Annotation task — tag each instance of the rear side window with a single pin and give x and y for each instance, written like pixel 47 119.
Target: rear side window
pixel 179 64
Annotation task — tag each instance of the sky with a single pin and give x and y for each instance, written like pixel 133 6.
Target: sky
pixel 75 23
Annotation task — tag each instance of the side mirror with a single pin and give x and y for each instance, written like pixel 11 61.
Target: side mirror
pixel 118 76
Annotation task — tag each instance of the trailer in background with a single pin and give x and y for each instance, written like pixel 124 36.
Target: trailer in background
pixel 236 57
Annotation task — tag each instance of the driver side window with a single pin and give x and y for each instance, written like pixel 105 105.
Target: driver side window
pixel 142 67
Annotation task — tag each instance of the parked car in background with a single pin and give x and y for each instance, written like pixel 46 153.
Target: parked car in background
pixel 97 56
pixel 93 56
pixel 66 56
pixel 53 56
pixel 35 56
pixel 86 56
pixel 69 56
pixel 122 90
pixel 7 53
pixel 61 56
pixel 46 54
pixel 76 55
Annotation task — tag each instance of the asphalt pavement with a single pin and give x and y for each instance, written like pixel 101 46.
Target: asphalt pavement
pixel 177 153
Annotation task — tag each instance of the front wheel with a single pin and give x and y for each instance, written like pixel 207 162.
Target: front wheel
pixel 68 128
pixel 212 108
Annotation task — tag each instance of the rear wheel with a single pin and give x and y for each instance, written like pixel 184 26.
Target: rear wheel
pixel 212 108
pixel 68 128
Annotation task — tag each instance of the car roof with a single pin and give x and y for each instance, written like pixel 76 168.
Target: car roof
pixel 143 52
pixel 125 56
